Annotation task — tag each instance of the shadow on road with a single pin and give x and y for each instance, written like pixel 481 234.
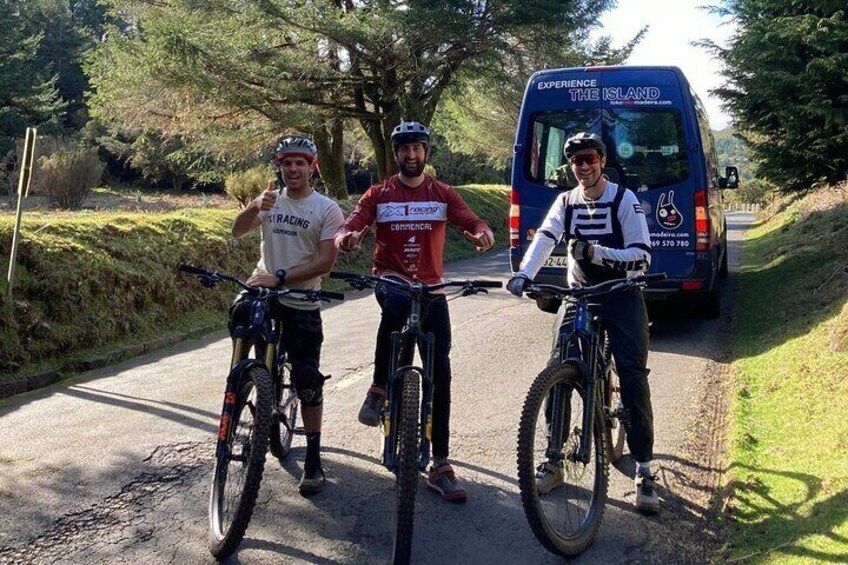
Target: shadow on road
pixel 168 410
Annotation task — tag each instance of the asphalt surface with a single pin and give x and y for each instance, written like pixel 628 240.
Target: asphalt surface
pixel 113 466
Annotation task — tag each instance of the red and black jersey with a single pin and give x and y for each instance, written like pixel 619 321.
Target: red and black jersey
pixel 411 223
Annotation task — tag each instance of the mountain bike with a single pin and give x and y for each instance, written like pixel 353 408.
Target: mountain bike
pixel 260 408
pixel 406 429
pixel 573 417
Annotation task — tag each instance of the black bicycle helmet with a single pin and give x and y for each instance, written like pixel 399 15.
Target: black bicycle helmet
pixel 582 141
pixel 410 132
pixel 297 146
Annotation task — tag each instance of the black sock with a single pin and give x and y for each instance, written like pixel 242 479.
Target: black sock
pixel 313 452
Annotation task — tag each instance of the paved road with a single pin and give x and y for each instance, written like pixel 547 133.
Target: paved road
pixel 113 466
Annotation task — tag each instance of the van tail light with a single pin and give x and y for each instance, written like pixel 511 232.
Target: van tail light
pixel 692 285
pixel 514 210
pixel 702 222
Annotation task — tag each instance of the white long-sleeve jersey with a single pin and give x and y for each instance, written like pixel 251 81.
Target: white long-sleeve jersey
pixel 614 224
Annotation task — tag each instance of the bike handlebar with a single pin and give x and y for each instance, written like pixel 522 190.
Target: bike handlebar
pixel 211 278
pixel 539 290
pixel 360 282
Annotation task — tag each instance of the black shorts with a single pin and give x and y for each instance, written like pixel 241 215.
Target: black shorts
pixel 301 339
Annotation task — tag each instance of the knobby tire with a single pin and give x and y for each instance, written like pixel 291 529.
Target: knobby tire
pixel 407 469
pixel 563 543
pixel 225 536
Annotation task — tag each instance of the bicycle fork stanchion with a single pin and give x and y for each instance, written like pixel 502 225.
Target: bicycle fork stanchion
pixel 557 431
pixel 426 343
pixel 583 328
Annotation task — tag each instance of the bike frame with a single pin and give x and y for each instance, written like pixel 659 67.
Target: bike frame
pixel 581 343
pixel 402 353
pixel 403 347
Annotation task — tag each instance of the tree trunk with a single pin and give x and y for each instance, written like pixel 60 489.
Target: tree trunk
pixel 374 129
pixel 330 144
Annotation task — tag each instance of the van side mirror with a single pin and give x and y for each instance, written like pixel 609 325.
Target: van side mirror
pixel 730 179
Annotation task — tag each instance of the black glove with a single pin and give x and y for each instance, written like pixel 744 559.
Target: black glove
pixel 517 284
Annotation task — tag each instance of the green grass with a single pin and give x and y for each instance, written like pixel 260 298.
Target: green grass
pixel 88 282
pixel 788 465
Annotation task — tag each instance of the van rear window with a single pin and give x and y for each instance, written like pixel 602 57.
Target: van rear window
pixel 646 148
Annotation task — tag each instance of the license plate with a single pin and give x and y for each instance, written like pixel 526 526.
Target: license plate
pixel 557 262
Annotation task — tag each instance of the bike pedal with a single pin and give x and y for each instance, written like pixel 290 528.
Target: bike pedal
pixel 299 431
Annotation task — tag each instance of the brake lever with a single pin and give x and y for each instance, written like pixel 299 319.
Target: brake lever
pixel 473 290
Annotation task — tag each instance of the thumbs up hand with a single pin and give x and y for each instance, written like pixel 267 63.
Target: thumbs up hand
pixel 267 198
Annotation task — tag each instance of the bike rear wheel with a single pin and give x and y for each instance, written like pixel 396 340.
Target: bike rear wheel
pixel 284 422
pixel 614 430
pixel 566 518
pixel 406 426
pixel 238 472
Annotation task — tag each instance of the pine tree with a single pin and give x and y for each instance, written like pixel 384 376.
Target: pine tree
pixel 786 69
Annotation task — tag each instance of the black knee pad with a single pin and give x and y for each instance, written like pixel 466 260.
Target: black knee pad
pixel 239 315
pixel 309 383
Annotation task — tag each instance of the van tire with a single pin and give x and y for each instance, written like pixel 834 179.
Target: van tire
pixel 723 270
pixel 709 306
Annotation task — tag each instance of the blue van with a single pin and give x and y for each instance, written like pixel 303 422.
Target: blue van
pixel 659 145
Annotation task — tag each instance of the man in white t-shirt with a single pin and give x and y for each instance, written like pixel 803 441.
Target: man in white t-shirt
pixel 298 228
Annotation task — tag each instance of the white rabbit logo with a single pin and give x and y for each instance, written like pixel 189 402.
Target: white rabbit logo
pixel 668 215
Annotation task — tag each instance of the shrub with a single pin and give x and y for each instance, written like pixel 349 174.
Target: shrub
pixel 246 185
pixel 66 177
pixel 430 170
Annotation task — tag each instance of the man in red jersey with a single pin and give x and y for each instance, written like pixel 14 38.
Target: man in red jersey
pixel 411 211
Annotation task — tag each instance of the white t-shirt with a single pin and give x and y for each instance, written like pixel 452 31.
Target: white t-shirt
pixel 291 231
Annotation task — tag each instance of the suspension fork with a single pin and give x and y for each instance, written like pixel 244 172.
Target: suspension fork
pixel 590 398
pixel 426 345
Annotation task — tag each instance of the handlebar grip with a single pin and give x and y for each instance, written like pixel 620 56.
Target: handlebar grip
pixel 332 295
pixel 193 270
pixel 342 275
pixel 487 284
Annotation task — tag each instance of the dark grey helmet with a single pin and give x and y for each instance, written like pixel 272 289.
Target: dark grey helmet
pixel 410 132
pixel 583 140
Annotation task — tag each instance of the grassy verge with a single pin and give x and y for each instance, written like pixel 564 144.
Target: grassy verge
pixel 89 282
pixel 789 440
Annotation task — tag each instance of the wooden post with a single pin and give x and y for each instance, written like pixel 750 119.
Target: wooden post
pixel 23 192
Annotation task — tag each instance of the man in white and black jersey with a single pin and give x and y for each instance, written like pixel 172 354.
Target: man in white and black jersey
pixel 298 226
pixel 608 238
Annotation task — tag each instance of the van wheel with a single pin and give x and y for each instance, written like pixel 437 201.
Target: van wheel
pixel 709 306
pixel 723 270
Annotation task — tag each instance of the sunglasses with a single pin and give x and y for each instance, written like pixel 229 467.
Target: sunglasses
pixel 588 159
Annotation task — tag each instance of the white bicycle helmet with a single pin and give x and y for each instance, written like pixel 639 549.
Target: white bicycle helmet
pixel 295 146
pixel 410 132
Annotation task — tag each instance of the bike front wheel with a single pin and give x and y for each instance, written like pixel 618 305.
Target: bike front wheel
pixel 240 463
pixel 406 426
pixel 563 498
pixel 615 430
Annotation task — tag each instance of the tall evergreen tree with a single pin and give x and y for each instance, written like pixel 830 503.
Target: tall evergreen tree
pixel 786 89
pixel 28 94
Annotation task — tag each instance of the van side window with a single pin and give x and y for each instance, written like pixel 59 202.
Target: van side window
pixel 646 146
